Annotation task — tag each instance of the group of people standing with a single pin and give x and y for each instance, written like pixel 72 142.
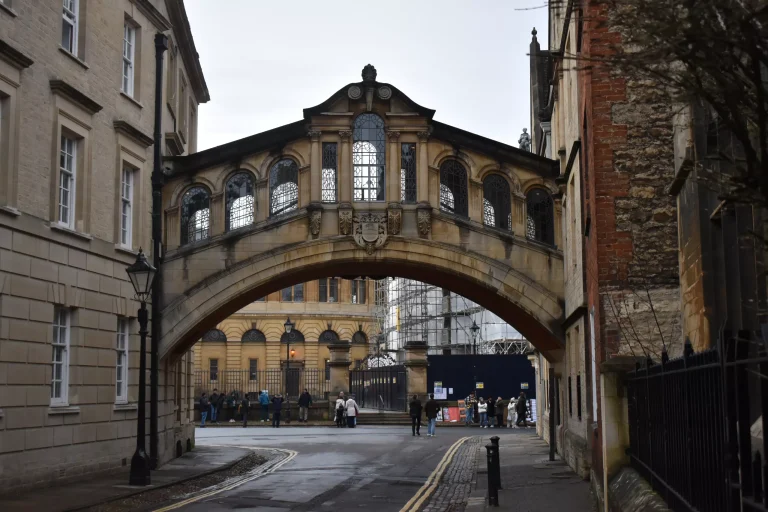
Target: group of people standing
pixel 493 409
pixel 430 409
pixel 280 405
pixel 346 411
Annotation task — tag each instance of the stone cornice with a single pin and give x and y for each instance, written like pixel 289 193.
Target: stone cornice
pixel 13 56
pixel 151 12
pixel 131 131
pixel 68 91
pixel 186 45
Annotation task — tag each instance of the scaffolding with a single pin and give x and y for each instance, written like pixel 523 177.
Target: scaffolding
pixel 412 311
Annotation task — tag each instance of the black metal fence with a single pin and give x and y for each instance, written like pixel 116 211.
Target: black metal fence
pixel 380 388
pixel 695 426
pixel 290 383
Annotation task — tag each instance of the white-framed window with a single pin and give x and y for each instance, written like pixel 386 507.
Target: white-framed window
pixel 129 51
pixel 358 291
pixel 60 359
pixel 121 374
pixel 69 26
pixel 126 207
pixel 67 181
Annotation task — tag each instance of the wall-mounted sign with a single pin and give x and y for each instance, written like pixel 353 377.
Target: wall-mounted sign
pixel 438 383
pixel 523 385
pixel 479 385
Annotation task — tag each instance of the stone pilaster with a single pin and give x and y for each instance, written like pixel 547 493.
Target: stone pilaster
pixel 216 214
pixel 345 164
pixel 339 365
pixel 315 168
pixel 393 168
pixel 416 369
pixel 422 169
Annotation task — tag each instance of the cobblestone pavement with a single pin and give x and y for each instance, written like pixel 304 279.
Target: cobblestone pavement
pixel 455 487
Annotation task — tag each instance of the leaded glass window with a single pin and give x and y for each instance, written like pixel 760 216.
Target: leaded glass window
pixel 329 187
pixel 293 293
pixel 540 222
pixel 358 291
pixel 328 289
pixel 453 188
pixel 408 173
pixel 368 158
pixel 195 215
pixel 497 202
pixel 239 190
pixel 283 187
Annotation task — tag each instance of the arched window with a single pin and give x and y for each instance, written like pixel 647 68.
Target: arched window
pixel 254 336
pixel 295 336
pixel 497 202
pixel 283 187
pixel 360 337
pixel 214 335
pixel 368 158
pixel 195 215
pixel 453 188
pixel 540 224
pixel 328 336
pixel 239 190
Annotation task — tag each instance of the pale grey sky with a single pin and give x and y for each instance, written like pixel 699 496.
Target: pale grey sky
pixel 265 61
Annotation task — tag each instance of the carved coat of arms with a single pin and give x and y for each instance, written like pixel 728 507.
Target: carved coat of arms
pixel 370 230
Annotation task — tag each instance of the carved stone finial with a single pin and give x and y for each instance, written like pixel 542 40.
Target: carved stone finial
pixel 525 140
pixel 369 73
pixel 533 32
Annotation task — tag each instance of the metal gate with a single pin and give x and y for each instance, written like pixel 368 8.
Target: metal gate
pixel 381 388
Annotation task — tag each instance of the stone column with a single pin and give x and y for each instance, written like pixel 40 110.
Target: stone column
pixel 345 164
pixel 416 369
pixel 422 170
pixel 315 168
pixel 518 214
pixel 393 169
pixel 216 214
pixel 339 365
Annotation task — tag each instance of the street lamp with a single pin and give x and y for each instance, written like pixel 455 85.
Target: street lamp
pixel 288 330
pixel 141 274
pixel 474 330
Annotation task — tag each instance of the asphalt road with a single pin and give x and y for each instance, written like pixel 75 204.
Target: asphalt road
pixel 366 468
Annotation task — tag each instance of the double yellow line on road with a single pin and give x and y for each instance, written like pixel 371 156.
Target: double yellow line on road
pixel 426 490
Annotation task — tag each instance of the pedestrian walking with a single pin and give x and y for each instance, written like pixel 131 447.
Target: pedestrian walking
pixel 499 412
pixel 245 406
pixel 491 411
pixel 415 409
pixel 511 414
pixel 482 409
pixel 352 412
pixel 430 410
pixel 277 409
pixel 469 404
pixel 341 405
pixel 205 406
pixel 264 402
pixel 305 400
pixel 214 401
pixel 521 409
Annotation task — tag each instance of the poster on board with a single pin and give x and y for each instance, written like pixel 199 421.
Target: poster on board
pixel 441 393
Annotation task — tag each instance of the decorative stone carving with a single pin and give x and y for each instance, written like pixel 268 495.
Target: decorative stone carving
pixel 314 135
pixel 345 219
pixel 369 73
pixel 315 218
pixel 354 92
pixel 345 135
pixel 394 218
pixel 370 230
pixel 423 136
pixel 394 136
pixel 424 220
pixel 525 140
pixel 385 92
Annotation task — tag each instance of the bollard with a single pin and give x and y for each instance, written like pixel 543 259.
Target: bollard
pixel 493 492
pixel 496 461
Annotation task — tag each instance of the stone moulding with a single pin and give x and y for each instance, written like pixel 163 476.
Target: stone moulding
pixel 394 218
pixel 345 219
pixel 424 220
pixel 315 218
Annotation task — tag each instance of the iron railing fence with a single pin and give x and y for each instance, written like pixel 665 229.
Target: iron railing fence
pixel 695 426
pixel 289 383
pixel 382 388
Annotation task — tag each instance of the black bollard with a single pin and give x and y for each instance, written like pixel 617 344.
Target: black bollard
pixel 493 492
pixel 496 461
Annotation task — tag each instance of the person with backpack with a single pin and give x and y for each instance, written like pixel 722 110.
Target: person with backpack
pixel 340 408
pixel 205 406
pixel 415 410
pixel 277 408
pixel 245 404
pixel 430 410
pixel 264 402
pixel 305 400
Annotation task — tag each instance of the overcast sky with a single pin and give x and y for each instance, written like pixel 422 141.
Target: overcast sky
pixel 266 60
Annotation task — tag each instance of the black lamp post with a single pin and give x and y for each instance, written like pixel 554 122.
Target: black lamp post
pixel 474 330
pixel 141 274
pixel 288 330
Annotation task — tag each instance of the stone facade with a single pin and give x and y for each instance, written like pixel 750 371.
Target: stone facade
pixel 71 127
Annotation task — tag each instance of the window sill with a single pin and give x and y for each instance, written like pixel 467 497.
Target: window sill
pixel 8 210
pixel 131 99
pixel 125 407
pixel 74 57
pixel 63 409
pixel 68 231
pixel 125 250
pixel 9 10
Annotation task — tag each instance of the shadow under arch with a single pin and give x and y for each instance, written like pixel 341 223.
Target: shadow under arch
pixel 529 307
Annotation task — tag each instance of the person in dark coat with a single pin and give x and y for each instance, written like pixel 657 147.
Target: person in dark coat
pixel 415 411
pixel 214 406
pixel 277 408
pixel 491 410
pixel 499 412
pixel 205 406
pixel 522 410
pixel 430 410
pixel 245 404
pixel 305 400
